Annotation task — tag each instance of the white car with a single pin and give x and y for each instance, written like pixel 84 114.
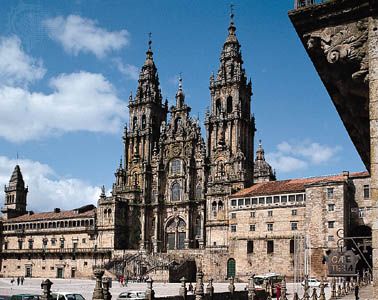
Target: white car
pixel 313 282
pixel 66 296
pixel 132 295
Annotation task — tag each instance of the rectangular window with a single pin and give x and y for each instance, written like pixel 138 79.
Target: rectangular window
pixel 247 201
pixel 241 202
pixel 254 201
pixel 233 228
pixel 299 198
pixel 283 199
pixel 331 224
pixel 20 245
pixel 269 200
pixel 330 193
pixel 233 215
pixel 252 227
pixel 233 202
pixel 249 247
pixel 366 191
pixel 270 213
pixel 253 214
pixel 30 244
pixel 83 241
pixel 362 212
pixel 5 245
pixel 292 198
pixel 61 243
pixel 331 207
pixel 269 246
pixel 74 246
pixel 276 199
pixel 331 238
pixel 262 200
pixel 293 212
pixel 294 226
pixel 292 246
pixel 269 226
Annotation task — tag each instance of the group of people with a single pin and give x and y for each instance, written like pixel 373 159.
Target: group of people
pixel 20 280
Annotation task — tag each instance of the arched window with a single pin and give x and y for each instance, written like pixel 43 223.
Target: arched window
pixel 218 107
pixel 198 192
pixel 229 104
pixel 175 234
pixel 220 205
pixel 135 123
pixel 143 121
pixel 176 192
pixel 176 166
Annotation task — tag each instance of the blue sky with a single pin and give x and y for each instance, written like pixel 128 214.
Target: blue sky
pixel 67 69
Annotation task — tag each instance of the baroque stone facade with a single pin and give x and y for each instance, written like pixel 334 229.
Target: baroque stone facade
pixel 178 197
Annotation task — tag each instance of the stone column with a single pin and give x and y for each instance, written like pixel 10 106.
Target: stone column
pixel 98 293
pixel 46 287
pixel 210 289
pixel 150 293
pixel 251 289
pixel 373 116
pixel 183 291
pixel 106 288
pixel 199 286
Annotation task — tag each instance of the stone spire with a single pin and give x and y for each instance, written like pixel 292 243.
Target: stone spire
pixel 262 170
pixel 148 84
pixel 180 96
pixel 230 69
pixel 15 195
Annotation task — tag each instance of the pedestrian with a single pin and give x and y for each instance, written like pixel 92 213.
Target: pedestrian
pixel 356 292
pixel 18 280
pixel 22 280
pixel 190 287
pixel 278 291
pixel 12 280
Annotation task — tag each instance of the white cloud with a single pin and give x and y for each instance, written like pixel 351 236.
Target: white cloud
pixel 301 155
pixel 16 67
pixel 130 71
pixel 79 102
pixel 47 189
pixel 77 34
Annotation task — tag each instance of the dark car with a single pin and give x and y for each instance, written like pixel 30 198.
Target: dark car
pixel 25 297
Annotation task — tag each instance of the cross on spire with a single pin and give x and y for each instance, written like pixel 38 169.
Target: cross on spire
pixel 149 40
pixel 232 13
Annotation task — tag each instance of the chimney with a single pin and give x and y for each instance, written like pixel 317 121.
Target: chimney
pixel 56 210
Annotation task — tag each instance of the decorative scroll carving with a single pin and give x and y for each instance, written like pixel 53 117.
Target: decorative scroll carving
pixel 343 44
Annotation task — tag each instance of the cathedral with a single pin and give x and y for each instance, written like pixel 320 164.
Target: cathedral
pixel 173 184
pixel 181 200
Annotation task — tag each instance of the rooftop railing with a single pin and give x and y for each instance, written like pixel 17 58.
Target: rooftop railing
pixel 304 3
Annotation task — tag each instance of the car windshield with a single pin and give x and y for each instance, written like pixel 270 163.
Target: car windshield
pixel 134 295
pixel 74 297
pixel 31 297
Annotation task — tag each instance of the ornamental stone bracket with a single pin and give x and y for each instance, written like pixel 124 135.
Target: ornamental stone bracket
pixel 335 35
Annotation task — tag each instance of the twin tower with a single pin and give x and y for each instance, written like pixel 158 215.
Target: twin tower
pixel 172 187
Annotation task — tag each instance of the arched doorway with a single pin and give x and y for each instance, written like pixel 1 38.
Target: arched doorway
pixel 231 268
pixel 175 234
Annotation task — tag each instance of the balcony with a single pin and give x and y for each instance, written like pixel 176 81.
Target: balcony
pixel 58 251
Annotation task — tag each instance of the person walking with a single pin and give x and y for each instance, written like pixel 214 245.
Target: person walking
pixel 278 292
pixel 22 280
pixel 356 292
pixel 18 280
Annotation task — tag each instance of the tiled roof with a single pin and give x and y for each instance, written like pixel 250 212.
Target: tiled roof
pixel 87 212
pixel 292 185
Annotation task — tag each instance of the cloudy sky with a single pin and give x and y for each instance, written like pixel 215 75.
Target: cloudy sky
pixel 67 69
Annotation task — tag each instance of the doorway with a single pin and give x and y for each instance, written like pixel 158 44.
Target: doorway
pixel 231 268
pixel 28 271
pixel 59 272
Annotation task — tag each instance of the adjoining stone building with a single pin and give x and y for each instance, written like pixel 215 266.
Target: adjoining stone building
pixel 179 197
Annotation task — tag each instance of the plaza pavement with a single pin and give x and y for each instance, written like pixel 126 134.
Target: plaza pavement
pixel 86 286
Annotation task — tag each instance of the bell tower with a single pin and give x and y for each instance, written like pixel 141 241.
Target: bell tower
pixel 15 195
pixel 230 131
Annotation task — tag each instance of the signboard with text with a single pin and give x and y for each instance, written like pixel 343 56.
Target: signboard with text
pixel 342 263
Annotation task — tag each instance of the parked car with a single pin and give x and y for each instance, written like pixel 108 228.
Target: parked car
pixel 25 297
pixel 132 295
pixel 66 296
pixel 313 282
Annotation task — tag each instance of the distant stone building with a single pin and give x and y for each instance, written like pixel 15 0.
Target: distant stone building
pixel 180 198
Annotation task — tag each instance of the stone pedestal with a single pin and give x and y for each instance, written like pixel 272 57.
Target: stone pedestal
pixel 98 293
